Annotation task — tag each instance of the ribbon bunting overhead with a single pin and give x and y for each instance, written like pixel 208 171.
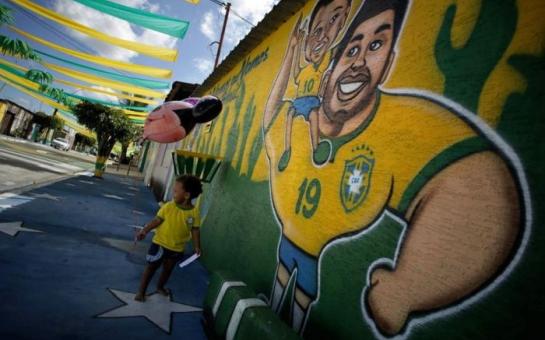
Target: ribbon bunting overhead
pixel 89 78
pixel 135 90
pixel 173 27
pixel 120 65
pixel 162 53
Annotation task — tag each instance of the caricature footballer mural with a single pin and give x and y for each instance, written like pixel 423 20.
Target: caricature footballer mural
pixel 385 145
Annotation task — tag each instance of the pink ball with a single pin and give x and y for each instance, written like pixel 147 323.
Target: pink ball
pixel 163 124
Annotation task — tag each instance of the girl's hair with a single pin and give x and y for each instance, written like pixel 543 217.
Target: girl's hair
pixel 191 184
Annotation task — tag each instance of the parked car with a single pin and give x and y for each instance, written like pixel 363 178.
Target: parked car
pixel 61 144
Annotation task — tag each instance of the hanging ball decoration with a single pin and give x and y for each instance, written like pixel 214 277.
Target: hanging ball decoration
pixel 173 121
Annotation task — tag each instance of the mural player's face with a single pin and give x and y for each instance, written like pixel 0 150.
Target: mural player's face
pixel 360 69
pixel 327 24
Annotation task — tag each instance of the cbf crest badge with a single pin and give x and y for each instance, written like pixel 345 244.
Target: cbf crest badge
pixel 356 180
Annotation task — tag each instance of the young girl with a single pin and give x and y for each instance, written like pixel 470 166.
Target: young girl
pixel 176 222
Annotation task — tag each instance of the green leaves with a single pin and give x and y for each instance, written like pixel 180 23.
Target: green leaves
pixel 17 48
pixel 5 15
pixel 110 125
pixel 41 77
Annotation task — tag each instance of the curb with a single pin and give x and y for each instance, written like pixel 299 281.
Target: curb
pixel 23 187
pixel 31 185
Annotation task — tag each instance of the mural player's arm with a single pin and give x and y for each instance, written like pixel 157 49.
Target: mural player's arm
pixel 296 63
pixel 462 228
pixel 275 100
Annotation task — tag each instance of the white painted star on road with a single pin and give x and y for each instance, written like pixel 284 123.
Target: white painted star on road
pixel 12 228
pixel 158 308
pixel 115 197
pixel 46 196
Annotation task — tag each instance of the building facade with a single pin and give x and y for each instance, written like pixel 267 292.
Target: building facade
pixel 382 171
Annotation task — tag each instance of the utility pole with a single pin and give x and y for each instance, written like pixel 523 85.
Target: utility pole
pixel 227 9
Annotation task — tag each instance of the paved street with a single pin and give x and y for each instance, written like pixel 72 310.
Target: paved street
pixel 69 266
pixel 23 163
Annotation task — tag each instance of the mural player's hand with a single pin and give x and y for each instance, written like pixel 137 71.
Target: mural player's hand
pixel 198 251
pixel 296 33
pixel 388 302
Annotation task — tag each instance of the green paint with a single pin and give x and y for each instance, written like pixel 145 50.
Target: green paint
pixel 240 234
pixel 310 193
pixel 217 146
pixel 227 307
pixel 344 266
pixel 466 69
pixel 144 156
pixel 261 323
pixel 522 121
pixel 447 157
pixel 246 127
pixel 255 151
pixel 234 132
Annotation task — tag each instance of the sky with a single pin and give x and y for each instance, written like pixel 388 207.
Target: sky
pixel 195 54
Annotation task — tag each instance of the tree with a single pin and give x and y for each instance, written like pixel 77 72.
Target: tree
pixel 133 135
pixel 134 103
pixel 41 77
pixel 110 126
pixel 136 133
pixel 14 47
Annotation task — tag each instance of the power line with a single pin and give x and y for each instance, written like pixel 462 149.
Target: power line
pixel 242 18
pixel 223 4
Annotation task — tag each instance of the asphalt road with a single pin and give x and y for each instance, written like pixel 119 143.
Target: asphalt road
pixel 23 163
pixel 69 267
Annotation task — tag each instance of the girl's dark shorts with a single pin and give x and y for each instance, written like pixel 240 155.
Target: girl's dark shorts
pixel 157 253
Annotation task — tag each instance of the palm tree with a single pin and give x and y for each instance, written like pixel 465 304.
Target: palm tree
pixel 133 135
pixel 56 94
pixel 14 47
pixel 5 15
pixel 59 96
pixel 41 77
pixel 133 103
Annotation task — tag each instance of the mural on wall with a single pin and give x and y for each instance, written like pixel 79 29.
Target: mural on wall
pixel 373 182
pixel 460 228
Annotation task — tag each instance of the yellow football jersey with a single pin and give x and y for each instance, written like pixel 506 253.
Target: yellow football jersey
pixel 382 165
pixel 175 230
pixel 308 80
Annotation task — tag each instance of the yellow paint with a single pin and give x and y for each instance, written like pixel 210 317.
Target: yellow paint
pixel 100 165
pixel 505 80
pixel 392 160
pixel 3 109
pixel 415 67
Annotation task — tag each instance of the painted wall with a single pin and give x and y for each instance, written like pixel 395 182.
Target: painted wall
pixel 383 172
pixel 3 109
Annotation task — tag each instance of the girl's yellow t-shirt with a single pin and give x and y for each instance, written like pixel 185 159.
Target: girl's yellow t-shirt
pixel 175 230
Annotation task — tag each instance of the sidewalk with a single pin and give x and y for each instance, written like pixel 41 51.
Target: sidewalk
pixel 72 272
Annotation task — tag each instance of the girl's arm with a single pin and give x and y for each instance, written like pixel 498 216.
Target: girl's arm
pixel 156 222
pixel 196 234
